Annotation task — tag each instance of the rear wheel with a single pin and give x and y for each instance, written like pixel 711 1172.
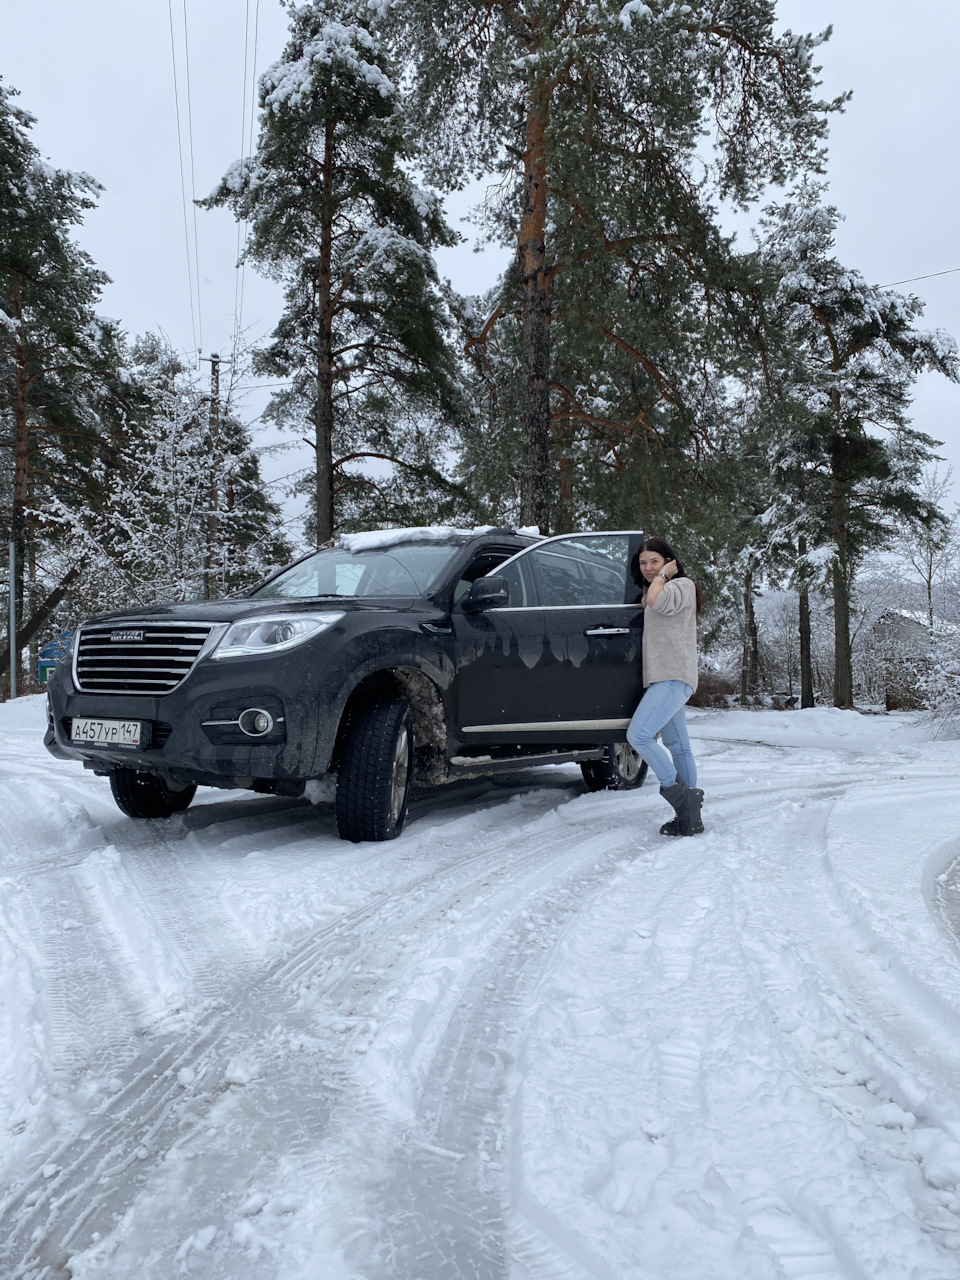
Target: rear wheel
pixel 373 781
pixel 621 769
pixel 144 795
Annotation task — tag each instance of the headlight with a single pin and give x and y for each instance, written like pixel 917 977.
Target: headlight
pixel 271 635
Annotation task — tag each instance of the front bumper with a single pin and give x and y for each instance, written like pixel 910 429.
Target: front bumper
pixel 179 746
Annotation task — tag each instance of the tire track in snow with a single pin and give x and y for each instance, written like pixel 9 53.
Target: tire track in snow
pixel 445 1209
pixel 82 977
pixel 446 1194
pixel 351 984
pixel 323 973
pixel 773 1031
pixel 444 1199
pixel 843 1024
pixel 544 1243
pixel 87 1179
pixel 861 1029
pixel 131 1132
pixel 90 1017
pixel 852 1028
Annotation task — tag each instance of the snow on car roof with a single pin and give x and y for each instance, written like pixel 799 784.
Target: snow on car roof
pixel 377 538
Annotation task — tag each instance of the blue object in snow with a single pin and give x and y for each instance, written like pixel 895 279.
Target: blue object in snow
pixel 51 654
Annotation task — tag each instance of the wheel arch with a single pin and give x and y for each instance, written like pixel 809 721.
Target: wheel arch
pixel 426 706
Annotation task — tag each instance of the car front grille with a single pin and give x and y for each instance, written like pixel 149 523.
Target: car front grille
pixel 137 657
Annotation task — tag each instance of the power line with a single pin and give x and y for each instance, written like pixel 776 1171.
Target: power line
pixel 913 279
pixel 253 72
pixel 249 151
pixel 243 135
pixel 257 386
pixel 193 178
pixel 183 180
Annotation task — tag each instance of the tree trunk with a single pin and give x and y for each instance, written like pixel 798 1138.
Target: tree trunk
pixel 840 573
pixel 806 663
pixel 842 653
pixel 21 460
pixel 32 645
pixel 532 254
pixel 750 665
pixel 563 521
pixel 806 660
pixel 323 409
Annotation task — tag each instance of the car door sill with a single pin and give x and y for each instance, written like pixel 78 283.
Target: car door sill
pixel 486 763
pixel 547 726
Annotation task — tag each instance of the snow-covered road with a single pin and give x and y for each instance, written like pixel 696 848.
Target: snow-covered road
pixel 531 1039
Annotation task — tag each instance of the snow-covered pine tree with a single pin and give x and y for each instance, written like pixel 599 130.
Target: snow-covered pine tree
pixel 59 363
pixel 849 464
pixel 162 530
pixel 335 214
pixel 594 114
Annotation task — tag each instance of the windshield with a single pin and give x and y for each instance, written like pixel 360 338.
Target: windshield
pixel 409 569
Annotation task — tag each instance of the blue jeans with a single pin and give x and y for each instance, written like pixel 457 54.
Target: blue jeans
pixel 661 711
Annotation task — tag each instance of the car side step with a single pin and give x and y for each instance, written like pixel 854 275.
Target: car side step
pixel 487 764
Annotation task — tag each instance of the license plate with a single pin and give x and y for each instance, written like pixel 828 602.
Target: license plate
pixel 105 733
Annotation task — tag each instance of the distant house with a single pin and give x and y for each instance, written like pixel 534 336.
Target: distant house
pixel 903 638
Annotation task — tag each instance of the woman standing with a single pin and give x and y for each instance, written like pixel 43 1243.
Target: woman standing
pixel 671 603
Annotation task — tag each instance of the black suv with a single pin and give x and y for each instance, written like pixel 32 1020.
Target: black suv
pixel 392 657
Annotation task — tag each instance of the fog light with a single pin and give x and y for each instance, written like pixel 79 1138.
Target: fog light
pixel 255 722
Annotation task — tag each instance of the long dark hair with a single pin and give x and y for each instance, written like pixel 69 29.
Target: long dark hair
pixel 661 548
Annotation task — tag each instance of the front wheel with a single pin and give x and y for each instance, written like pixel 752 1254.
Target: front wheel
pixel 621 769
pixel 144 795
pixel 373 781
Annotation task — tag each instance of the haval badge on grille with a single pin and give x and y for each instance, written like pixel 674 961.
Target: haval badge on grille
pixel 126 635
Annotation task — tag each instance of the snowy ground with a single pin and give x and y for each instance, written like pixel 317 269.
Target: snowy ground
pixel 530 1040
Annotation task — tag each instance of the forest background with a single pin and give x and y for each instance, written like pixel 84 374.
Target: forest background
pixel 628 364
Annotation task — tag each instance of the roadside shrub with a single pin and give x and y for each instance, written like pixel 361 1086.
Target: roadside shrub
pixel 938 683
pixel 713 690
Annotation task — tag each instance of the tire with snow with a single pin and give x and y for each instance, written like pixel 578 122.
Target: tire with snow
pixel 373 781
pixel 621 769
pixel 144 795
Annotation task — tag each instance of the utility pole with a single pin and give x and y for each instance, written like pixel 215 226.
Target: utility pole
pixel 14 652
pixel 213 530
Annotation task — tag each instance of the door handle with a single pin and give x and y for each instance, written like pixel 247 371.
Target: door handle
pixel 607 631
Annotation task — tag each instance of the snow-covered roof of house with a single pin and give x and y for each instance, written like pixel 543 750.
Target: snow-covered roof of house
pixel 919 618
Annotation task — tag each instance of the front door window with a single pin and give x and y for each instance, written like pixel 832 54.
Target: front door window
pixel 578 570
pixel 581 571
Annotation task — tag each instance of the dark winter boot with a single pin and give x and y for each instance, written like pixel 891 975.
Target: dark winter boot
pixel 685 802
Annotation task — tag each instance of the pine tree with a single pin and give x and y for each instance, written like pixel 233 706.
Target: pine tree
pixel 848 461
pixel 335 214
pixel 594 113
pixel 162 530
pixel 59 363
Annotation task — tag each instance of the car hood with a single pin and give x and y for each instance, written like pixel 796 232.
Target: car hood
pixel 238 609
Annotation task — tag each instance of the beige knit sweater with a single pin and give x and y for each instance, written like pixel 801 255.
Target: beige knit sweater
pixel 670 634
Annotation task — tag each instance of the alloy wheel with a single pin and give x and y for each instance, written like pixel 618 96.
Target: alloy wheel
pixel 401 770
pixel 626 761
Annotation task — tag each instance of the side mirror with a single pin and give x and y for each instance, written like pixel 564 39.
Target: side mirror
pixel 486 593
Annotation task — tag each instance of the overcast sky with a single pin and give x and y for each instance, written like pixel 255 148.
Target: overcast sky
pixel 98 75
